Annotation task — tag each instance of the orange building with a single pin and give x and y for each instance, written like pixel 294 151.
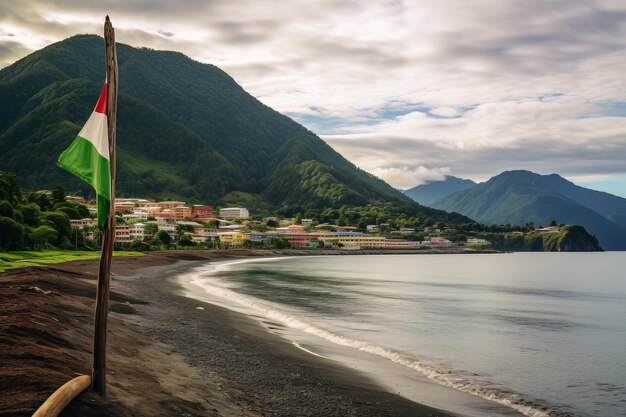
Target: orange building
pixel 202 210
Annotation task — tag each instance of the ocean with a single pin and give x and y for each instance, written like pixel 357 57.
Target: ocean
pixel 541 334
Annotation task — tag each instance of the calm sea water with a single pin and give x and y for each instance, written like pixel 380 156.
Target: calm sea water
pixel 544 333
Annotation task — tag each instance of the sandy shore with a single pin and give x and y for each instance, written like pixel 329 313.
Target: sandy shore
pixel 167 357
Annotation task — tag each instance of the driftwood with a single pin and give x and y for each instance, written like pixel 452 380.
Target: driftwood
pixel 62 397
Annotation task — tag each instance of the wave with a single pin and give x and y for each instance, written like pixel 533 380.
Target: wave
pixel 436 373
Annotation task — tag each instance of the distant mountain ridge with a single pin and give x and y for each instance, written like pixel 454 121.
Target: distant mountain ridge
pixel 520 197
pixel 185 130
pixel 430 192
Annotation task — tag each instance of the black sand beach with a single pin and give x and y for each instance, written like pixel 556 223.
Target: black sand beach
pixel 167 357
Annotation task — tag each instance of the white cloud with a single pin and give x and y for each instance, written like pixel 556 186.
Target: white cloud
pixel 397 86
pixel 405 177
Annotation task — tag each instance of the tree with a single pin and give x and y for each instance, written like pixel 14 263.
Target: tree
pixel 272 223
pixel 41 200
pixel 6 209
pixel 31 213
pixel 71 212
pixel 185 240
pixel 298 219
pixel 150 230
pixel 163 237
pixel 280 243
pixel 60 221
pixel 213 224
pixel 43 235
pixel 138 245
pixel 58 194
pixel 182 228
pixel 8 187
pixel 10 234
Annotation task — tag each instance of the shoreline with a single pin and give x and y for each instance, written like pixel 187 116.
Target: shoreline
pixel 390 369
pixel 166 356
pixel 261 370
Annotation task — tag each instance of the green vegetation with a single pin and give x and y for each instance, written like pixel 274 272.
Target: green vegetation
pixel 36 220
pixel 186 131
pixel 572 238
pixel 519 197
pixel 22 259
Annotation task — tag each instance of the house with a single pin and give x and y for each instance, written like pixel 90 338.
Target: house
pixel 476 241
pixel 230 228
pixel 170 204
pixel 231 239
pixel 440 242
pixel 138 231
pixel 353 241
pixel 299 240
pixel 122 233
pixel 82 223
pixel 234 213
pixel 182 212
pixel 199 210
pixel 124 206
pixel 345 228
pixel 292 228
pixel 202 234
pixel 136 215
pixel 400 244
pixel 263 238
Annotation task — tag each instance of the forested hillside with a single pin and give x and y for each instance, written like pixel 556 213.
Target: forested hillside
pixel 520 197
pixel 185 130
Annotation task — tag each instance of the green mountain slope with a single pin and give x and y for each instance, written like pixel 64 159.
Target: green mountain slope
pixel 519 197
pixel 428 193
pixel 608 205
pixel 185 130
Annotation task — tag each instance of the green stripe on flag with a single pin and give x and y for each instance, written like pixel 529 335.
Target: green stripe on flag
pixel 83 160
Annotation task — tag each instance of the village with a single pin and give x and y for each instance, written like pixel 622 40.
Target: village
pixel 232 227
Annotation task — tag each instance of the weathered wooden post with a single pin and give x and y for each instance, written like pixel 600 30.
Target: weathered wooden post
pixel 104 271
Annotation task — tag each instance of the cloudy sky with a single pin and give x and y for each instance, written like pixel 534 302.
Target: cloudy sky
pixel 408 90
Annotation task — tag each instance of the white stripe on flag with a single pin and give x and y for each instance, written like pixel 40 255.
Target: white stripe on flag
pixel 96 132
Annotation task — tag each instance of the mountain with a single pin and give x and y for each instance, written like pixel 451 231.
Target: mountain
pixel 185 130
pixel 520 197
pixel 608 205
pixel 427 194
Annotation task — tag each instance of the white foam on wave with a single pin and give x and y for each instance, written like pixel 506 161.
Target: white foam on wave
pixel 221 289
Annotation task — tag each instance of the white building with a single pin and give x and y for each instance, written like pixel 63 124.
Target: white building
pixel 122 233
pixel 234 213
pixel 79 224
pixel 476 241
pixel 138 231
pixel 137 215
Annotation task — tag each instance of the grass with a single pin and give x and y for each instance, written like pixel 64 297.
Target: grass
pixel 22 259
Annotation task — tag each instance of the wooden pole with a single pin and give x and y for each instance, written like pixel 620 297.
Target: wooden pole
pixel 104 271
pixel 62 397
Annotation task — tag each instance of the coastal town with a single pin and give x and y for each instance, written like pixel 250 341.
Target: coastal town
pixel 141 220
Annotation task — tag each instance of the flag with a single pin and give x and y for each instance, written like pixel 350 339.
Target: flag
pixel 88 156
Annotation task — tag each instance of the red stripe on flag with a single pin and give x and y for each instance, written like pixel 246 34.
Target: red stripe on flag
pixel 101 106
